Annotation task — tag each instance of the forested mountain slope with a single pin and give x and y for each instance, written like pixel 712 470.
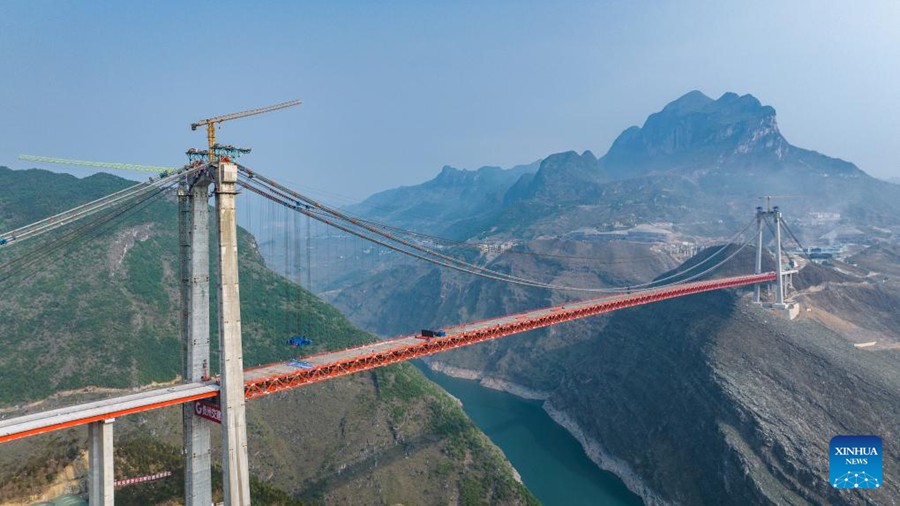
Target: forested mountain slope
pixel 104 316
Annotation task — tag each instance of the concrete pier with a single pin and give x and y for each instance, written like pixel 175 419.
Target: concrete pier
pixel 194 249
pixel 234 424
pixel 101 484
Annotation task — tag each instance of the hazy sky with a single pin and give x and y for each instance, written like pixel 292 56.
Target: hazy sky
pixel 394 90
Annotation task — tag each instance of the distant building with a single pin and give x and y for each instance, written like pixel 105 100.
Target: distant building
pixel 592 234
pixel 821 218
pixel 649 233
pixel 845 234
pixel 640 233
pixel 819 253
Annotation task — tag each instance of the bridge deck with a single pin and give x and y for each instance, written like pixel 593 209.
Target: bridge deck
pixel 267 379
pixel 270 378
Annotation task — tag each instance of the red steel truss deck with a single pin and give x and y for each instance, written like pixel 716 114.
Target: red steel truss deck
pixel 271 378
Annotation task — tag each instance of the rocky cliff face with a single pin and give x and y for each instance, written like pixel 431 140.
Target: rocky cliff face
pixel 704 399
pixel 694 128
pixel 714 157
pixel 711 400
pixel 701 400
pixel 562 177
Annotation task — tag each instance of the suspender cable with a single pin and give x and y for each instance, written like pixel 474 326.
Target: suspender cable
pixel 295 200
pixel 35 257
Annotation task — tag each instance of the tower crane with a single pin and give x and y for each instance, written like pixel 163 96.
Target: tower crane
pixel 768 199
pixel 212 122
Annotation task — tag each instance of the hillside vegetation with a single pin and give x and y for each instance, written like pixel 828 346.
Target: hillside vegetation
pixel 105 315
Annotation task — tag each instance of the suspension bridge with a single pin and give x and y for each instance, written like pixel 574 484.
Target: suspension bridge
pixel 222 398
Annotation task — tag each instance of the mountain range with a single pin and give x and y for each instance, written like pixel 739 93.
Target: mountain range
pixel 706 399
pixel 699 163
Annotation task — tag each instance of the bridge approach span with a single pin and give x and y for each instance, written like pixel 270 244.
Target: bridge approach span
pixel 81 414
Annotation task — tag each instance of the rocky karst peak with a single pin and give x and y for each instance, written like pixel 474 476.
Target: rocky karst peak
pixel 696 125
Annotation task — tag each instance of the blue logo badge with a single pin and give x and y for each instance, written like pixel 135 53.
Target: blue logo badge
pixel 855 462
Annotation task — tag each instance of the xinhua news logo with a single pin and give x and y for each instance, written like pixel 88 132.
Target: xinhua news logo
pixel 855 462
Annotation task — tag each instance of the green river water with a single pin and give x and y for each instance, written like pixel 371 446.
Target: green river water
pixel 551 462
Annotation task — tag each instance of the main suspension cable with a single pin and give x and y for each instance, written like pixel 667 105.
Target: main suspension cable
pixel 20 264
pixel 306 206
pixel 84 210
pixel 298 199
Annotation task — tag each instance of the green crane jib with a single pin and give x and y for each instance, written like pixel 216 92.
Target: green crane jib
pixel 162 171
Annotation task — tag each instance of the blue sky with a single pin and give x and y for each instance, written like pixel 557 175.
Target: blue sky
pixel 394 90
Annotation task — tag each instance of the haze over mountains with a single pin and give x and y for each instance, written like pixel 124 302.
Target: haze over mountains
pixel 700 163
